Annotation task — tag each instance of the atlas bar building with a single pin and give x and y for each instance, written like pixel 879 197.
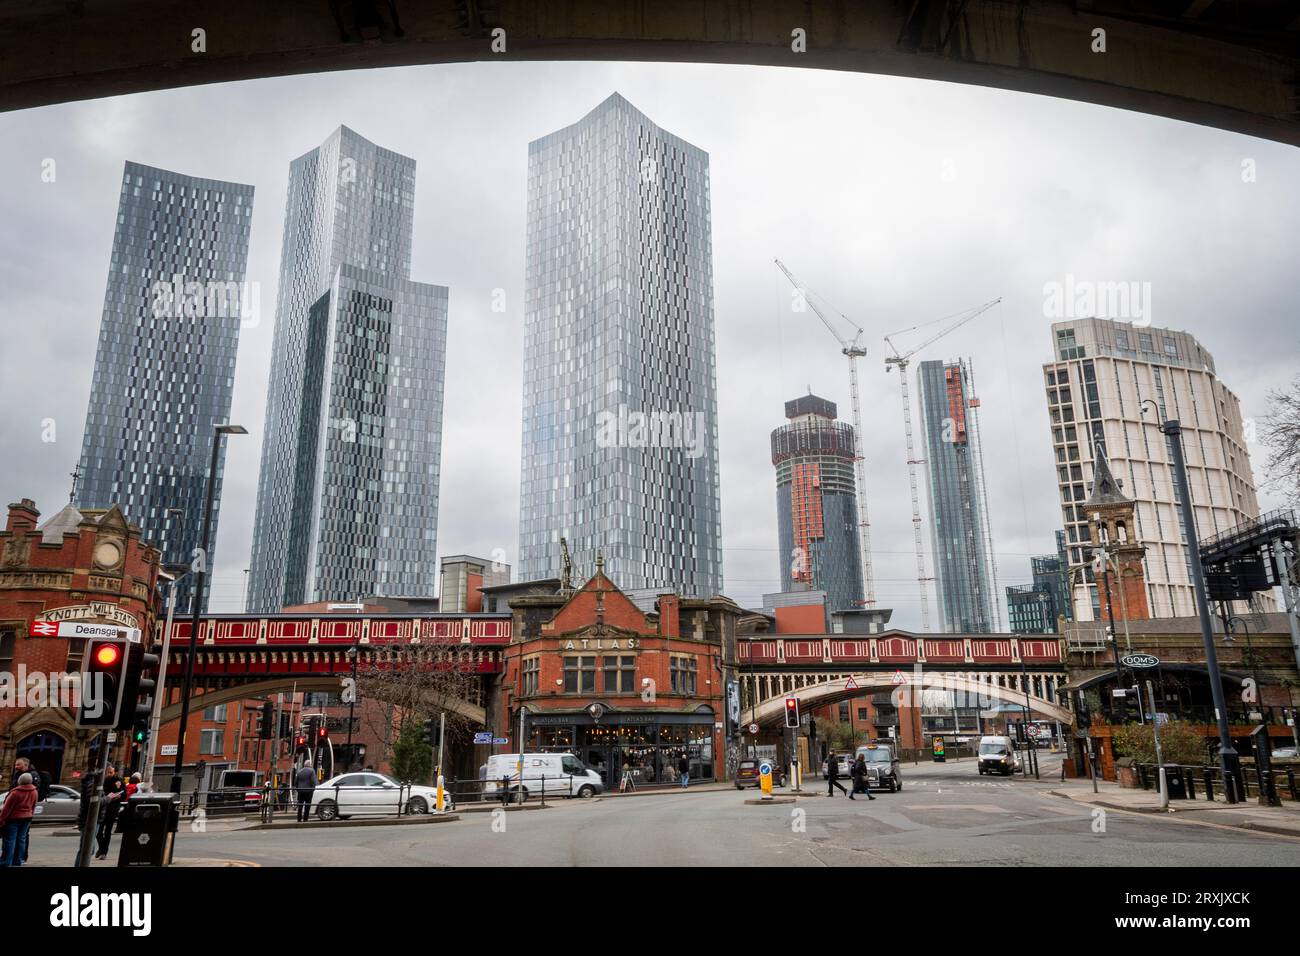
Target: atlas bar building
pixel 628 692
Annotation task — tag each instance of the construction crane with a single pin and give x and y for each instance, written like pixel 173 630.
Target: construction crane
pixel 901 360
pixel 853 350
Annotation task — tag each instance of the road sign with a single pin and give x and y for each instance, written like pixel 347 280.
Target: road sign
pixel 1033 730
pixel 899 677
pixel 483 738
pixel 499 741
pixel 850 684
pixel 85 629
pixel 753 728
pixel 765 779
pixel 1140 660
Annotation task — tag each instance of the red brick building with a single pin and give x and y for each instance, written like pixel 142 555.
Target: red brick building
pixel 629 692
pixel 78 566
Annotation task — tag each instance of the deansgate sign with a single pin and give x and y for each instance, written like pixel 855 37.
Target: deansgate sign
pixel 97 609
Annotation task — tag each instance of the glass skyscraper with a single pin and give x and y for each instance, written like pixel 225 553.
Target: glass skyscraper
pixel 165 364
pixel 347 503
pixel 959 532
pixel 620 449
pixel 816 504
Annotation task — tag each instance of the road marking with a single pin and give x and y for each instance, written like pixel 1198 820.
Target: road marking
pixel 975 807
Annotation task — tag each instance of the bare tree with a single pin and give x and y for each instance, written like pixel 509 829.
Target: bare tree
pixel 1280 433
pixel 415 682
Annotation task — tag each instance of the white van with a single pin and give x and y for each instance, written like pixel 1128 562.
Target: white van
pixel 998 755
pixel 562 774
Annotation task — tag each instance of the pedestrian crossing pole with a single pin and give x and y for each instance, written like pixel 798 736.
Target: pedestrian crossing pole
pixel 441 800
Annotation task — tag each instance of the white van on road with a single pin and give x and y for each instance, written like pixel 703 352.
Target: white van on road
pixel 561 774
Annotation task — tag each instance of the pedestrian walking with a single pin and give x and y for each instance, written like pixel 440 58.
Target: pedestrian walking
pixel 111 805
pixel 40 780
pixel 859 775
pixel 16 820
pixel 304 782
pixel 684 768
pixel 833 775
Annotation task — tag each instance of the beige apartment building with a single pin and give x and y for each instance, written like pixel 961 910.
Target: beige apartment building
pixel 1101 374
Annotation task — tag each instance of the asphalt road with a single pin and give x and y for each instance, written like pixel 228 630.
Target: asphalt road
pixel 945 815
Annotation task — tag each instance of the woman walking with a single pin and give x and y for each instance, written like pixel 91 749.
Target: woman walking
pixel 859 775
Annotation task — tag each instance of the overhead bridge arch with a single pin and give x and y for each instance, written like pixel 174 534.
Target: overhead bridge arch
pixel 324 684
pixel 970 692
pixel 1234 64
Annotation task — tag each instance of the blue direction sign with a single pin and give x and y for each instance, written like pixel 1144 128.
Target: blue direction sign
pixel 483 738
pixel 499 741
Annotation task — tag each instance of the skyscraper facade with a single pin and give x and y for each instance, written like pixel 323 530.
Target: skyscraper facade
pixel 347 502
pixel 165 363
pixel 816 507
pixel 959 532
pixel 1100 374
pixel 620 450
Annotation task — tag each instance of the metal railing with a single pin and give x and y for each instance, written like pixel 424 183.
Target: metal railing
pixel 1185 777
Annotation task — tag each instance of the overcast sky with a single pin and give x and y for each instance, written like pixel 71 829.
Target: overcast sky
pixel 897 200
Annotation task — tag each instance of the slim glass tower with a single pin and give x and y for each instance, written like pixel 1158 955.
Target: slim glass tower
pixel 347 503
pixel 620 451
pixel 816 507
pixel 954 472
pixel 165 364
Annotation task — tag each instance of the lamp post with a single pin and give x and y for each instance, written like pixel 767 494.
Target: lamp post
pixel 160 692
pixel 1254 669
pixel 200 579
pixel 354 652
pixel 1228 759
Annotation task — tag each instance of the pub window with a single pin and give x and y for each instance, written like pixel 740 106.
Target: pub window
pixel 620 674
pixel 580 675
pixel 682 675
pixel 532 675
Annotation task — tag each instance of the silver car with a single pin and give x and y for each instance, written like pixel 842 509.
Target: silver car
pixel 61 806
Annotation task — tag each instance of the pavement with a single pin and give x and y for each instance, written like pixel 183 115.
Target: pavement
pixel 945 815
pixel 1281 821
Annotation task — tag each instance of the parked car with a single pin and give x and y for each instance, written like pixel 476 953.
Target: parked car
pixel 372 794
pixel 237 791
pixel 882 767
pixel 747 774
pixel 61 806
pixel 998 755
pixel 560 774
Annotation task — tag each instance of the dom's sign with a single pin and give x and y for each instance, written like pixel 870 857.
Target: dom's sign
pixel 1139 660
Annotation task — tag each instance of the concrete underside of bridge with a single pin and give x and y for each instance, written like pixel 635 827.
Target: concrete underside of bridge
pixel 245 690
pixel 1233 64
pixel 771 712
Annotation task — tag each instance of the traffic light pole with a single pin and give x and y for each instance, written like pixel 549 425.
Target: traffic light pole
pixel 151 745
pixel 91 823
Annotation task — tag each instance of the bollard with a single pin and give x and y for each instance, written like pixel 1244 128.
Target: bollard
pixel 1164 789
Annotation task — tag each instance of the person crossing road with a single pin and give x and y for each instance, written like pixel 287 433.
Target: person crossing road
pixel 833 774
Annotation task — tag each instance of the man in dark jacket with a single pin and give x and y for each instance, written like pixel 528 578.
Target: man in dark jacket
pixel 304 781
pixel 684 768
pixel 859 774
pixel 833 774
pixel 111 804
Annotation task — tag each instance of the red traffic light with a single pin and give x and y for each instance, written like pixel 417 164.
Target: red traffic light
pixel 322 732
pixel 791 704
pixel 107 655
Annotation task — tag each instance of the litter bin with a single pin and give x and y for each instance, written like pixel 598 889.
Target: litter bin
pixel 1174 781
pixel 148 826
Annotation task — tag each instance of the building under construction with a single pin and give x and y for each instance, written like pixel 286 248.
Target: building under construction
pixel 959 529
pixel 817 514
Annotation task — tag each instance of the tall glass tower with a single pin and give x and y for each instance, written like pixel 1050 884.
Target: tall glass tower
pixel 165 364
pixel 620 449
pixel 347 502
pixel 816 503
pixel 959 530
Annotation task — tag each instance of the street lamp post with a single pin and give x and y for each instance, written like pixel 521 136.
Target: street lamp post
pixel 353 655
pixel 1254 668
pixel 200 580
pixel 1228 759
